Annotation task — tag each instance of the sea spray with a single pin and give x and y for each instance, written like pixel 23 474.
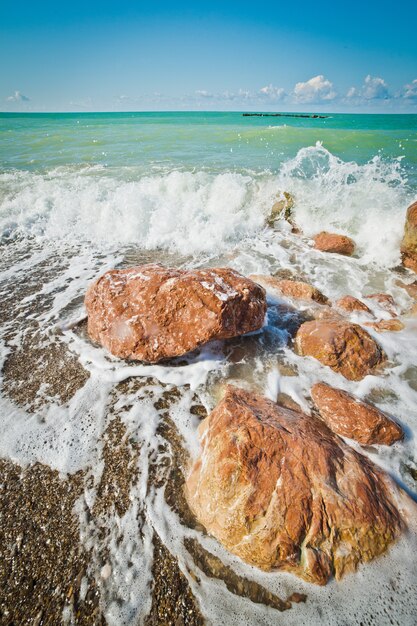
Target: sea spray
pixel 203 212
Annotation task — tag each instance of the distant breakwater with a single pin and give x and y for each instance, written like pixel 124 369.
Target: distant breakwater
pixel 321 117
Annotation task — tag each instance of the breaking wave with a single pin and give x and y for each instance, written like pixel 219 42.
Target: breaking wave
pixel 202 211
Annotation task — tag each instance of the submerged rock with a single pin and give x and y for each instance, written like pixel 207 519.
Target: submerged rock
pixel 393 325
pixel 327 313
pixel 331 242
pixel 409 242
pixel 292 288
pixel 345 347
pixel 412 312
pixel 277 488
pixel 151 312
pixel 385 301
pixel 410 288
pixel 350 303
pixel 350 417
pixel 213 567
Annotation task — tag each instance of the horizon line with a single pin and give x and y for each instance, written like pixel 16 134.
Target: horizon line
pixel 260 112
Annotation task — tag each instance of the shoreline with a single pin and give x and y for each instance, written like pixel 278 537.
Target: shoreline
pixel 98 448
pixel 139 413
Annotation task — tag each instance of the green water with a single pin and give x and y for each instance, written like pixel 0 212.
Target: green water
pixel 198 140
pixel 83 193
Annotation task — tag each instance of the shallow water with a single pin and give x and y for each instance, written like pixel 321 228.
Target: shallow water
pixel 83 193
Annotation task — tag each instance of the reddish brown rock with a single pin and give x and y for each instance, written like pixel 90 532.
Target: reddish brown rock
pixel 410 288
pixel 393 325
pixel 292 288
pixel 346 348
pixel 350 303
pixel 281 491
pixel 409 242
pixel 327 313
pixel 151 312
pixel 331 242
pixel 385 301
pixel 413 311
pixel 349 417
pixel 301 291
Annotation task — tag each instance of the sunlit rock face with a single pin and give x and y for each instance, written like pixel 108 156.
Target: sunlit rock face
pixel 280 490
pixel 332 242
pixel 350 417
pixel 345 347
pixel 350 303
pixel 150 312
pixel 296 289
pixel 409 242
pixel 385 301
pixel 393 325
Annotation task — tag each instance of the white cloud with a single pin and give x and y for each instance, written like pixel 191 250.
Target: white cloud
pixel 86 104
pixel 267 95
pixel 375 88
pixel 17 97
pixel 202 93
pixel 274 93
pixel 352 93
pixel 410 91
pixel 241 94
pixel 317 89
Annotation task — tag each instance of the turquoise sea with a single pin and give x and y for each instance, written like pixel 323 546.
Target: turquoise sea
pixel 197 139
pixel 138 167
pixel 81 193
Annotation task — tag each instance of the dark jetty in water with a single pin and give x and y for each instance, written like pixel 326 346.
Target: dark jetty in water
pixel 321 117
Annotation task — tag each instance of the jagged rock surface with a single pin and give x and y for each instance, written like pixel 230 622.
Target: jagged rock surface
pixel 278 489
pixel 151 312
pixel 347 416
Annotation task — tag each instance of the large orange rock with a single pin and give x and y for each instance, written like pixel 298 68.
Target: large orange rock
pixel 297 289
pixel 350 417
pixel 281 491
pixel 151 312
pixel 409 242
pixel 345 347
pixel 331 242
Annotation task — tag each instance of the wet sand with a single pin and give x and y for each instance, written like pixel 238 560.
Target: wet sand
pixel 70 539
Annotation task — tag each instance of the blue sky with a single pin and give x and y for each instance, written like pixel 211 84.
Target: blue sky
pixel 324 56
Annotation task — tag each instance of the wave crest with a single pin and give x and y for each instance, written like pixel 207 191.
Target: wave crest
pixel 195 212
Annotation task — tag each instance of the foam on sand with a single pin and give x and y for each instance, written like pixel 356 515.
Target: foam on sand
pixel 63 228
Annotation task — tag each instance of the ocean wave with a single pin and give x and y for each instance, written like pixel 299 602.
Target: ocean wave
pixel 346 197
pixel 154 406
pixel 202 211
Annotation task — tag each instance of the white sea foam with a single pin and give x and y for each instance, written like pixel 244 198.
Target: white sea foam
pixel 194 373
pixel 88 217
pixel 366 201
pixel 196 212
